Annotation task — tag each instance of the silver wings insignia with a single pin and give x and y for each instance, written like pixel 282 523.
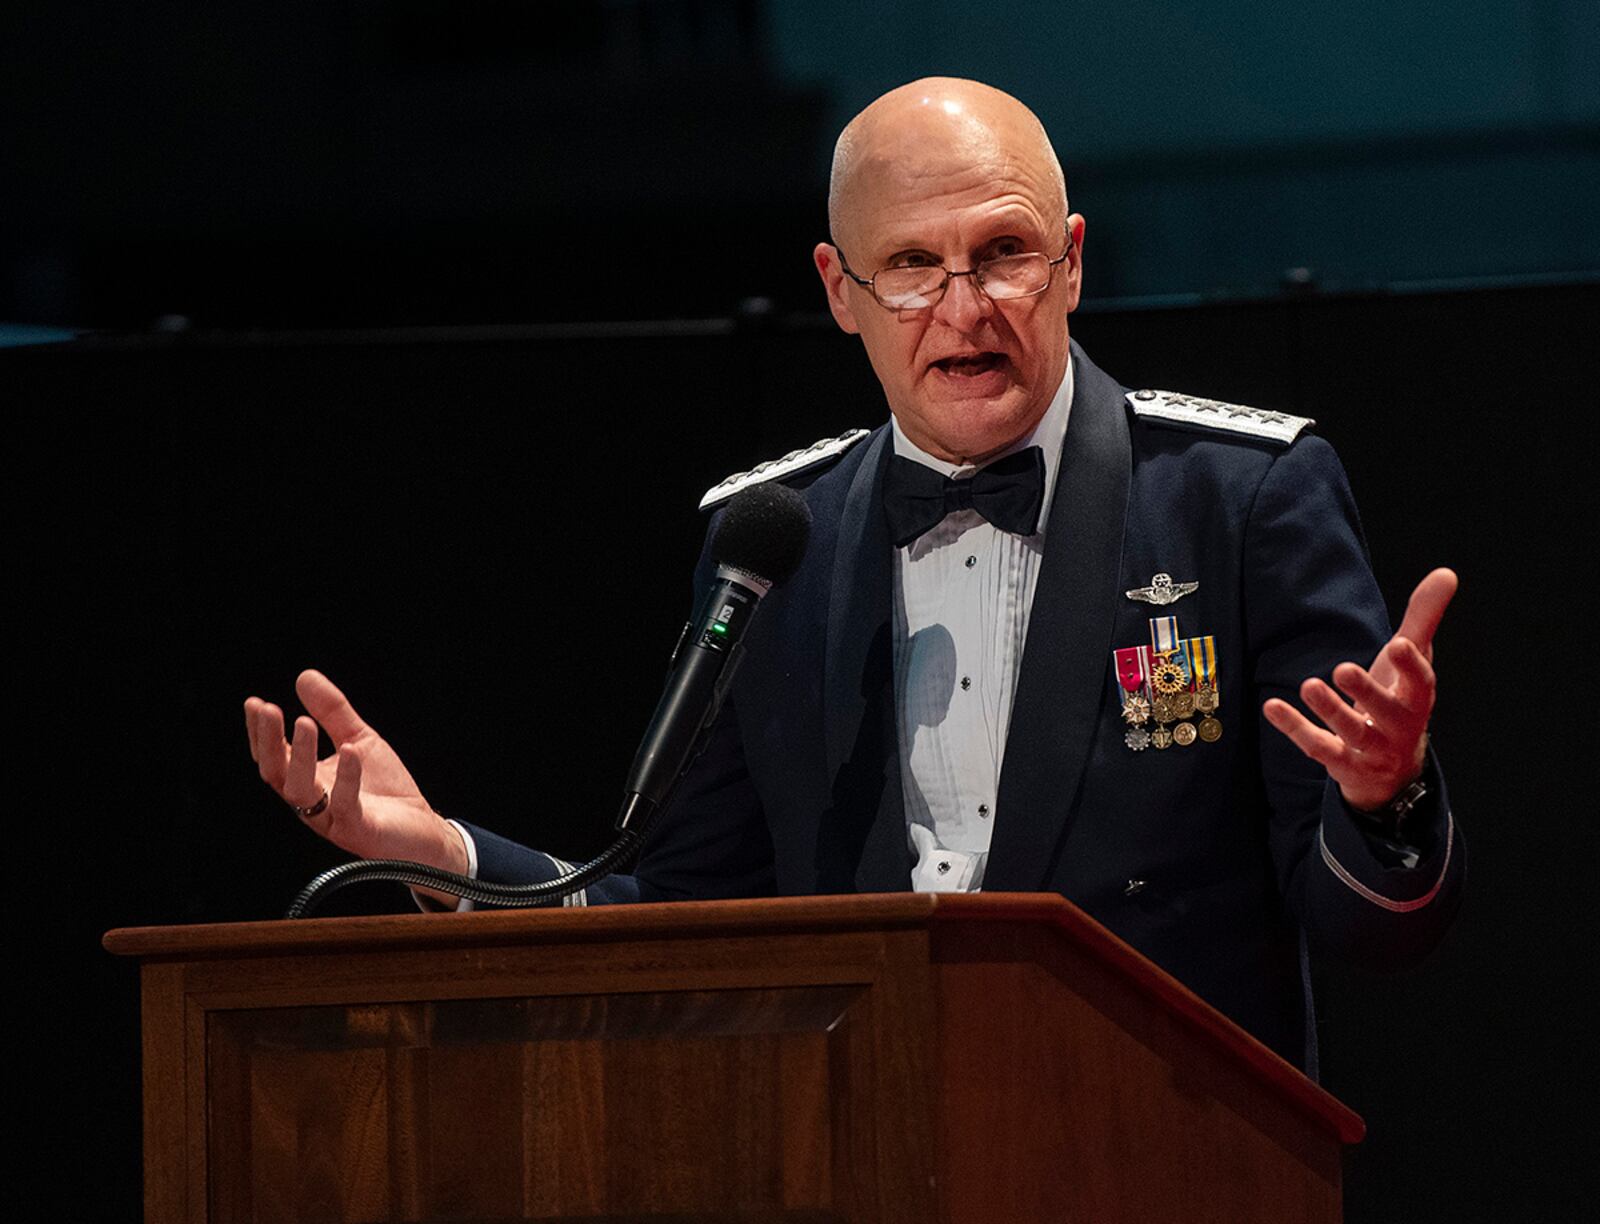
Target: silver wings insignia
pixel 1162 590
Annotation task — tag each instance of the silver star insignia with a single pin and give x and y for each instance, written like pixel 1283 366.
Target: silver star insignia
pixel 1162 590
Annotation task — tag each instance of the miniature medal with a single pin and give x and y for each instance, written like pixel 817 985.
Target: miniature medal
pixel 1183 699
pixel 1184 733
pixel 1202 652
pixel 1167 678
pixel 1130 666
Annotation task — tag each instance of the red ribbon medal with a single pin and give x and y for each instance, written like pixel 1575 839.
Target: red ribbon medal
pixel 1133 666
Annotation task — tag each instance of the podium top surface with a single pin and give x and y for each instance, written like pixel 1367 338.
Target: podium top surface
pixel 767 916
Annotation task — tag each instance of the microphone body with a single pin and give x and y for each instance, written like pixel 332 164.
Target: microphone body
pixel 702 667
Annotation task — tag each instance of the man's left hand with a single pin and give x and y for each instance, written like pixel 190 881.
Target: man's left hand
pixel 1375 744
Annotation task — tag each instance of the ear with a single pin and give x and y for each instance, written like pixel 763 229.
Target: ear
pixel 1074 264
pixel 826 257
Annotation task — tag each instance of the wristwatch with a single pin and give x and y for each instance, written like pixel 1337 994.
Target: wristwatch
pixel 1390 821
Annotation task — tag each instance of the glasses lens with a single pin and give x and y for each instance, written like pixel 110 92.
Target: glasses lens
pixel 1013 276
pixel 909 288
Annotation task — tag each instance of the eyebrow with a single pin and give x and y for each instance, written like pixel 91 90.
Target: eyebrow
pixel 913 240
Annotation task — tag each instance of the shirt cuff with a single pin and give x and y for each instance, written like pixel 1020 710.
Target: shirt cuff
pixel 940 870
pixel 429 906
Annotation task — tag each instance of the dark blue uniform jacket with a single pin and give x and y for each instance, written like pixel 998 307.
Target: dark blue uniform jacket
pixel 1245 849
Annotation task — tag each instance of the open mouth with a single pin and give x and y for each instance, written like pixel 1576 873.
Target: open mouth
pixel 971 365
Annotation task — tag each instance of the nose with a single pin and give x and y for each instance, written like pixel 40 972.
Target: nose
pixel 964 304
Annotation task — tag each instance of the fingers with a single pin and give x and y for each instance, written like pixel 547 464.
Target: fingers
pixel 1406 686
pixel 264 724
pixel 1376 701
pixel 1426 608
pixel 344 800
pixel 300 786
pixel 1414 680
pixel 1323 747
pixel 325 703
pixel 294 772
pixel 1350 725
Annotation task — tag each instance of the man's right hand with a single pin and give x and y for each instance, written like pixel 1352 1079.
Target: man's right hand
pixel 375 808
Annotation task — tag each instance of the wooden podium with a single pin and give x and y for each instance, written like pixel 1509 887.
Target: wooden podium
pixel 887 1057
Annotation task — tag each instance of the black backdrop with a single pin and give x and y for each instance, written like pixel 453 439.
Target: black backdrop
pixel 486 537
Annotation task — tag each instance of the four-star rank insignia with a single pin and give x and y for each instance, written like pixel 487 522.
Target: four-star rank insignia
pixel 1171 683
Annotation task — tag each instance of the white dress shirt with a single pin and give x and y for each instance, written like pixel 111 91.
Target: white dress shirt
pixel 962 595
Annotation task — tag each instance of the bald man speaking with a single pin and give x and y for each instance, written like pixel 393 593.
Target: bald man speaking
pixel 1050 634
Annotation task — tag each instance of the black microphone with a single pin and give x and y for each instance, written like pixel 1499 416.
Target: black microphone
pixel 758 545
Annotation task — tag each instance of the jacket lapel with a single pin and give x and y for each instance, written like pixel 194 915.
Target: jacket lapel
pixel 1062 681
pixel 862 837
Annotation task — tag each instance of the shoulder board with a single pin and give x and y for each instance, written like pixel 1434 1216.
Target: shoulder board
pixel 1194 412
pixel 792 464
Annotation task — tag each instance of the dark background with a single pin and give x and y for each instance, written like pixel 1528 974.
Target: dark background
pixel 399 339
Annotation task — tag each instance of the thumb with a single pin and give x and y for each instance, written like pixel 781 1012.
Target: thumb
pixel 1426 609
pixel 325 703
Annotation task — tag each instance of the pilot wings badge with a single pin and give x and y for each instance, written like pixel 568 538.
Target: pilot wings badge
pixel 1162 590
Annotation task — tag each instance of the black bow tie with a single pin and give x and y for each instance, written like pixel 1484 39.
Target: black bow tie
pixel 1008 493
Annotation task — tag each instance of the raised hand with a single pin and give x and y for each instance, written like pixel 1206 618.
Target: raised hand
pixel 374 808
pixel 1375 744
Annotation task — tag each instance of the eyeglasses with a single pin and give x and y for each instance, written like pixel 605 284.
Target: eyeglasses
pixel 1002 278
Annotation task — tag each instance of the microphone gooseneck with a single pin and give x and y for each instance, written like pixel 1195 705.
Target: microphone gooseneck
pixel 759 544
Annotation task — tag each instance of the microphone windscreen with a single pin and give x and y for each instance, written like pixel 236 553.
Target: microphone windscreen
pixel 764 532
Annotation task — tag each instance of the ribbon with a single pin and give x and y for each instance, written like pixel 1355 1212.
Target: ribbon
pixel 1202 652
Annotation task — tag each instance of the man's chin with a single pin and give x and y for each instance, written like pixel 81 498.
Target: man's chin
pixel 973 428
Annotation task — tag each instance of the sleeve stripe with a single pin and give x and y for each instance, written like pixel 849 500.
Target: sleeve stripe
pixel 1378 899
pixel 581 897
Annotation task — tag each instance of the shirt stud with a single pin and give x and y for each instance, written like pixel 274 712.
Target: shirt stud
pixel 983 810
pixel 944 866
pixel 971 561
pixel 966 682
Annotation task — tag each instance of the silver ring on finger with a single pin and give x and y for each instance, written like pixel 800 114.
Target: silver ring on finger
pixel 321 805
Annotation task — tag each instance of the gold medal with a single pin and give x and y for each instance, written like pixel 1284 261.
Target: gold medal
pixel 1167 677
pixel 1161 737
pixel 1184 733
pixel 1137 738
pixel 1210 729
pixel 1161 708
pixel 1183 704
pixel 1202 653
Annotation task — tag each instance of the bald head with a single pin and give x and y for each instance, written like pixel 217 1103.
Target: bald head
pixel 952 175
pixel 936 127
